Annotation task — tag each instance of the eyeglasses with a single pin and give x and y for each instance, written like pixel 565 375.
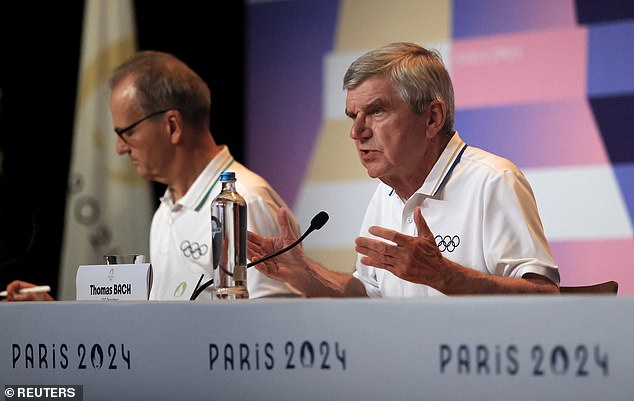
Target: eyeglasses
pixel 121 131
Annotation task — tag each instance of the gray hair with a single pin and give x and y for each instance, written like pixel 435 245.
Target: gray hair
pixel 417 74
pixel 164 82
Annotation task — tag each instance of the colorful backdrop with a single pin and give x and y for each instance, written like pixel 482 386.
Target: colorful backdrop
pixel 549 84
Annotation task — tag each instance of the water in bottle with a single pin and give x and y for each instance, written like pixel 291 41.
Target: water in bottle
pixel 229 241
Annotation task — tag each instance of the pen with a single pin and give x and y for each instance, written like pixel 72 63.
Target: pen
pixel 39 288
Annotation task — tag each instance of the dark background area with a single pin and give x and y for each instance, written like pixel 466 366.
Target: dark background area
pixel 39 65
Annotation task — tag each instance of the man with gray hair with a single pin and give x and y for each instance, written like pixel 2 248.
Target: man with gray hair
pixel 445 219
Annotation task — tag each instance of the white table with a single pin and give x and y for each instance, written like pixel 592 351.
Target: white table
pixel 461 348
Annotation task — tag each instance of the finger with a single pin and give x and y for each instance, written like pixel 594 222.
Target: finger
pixel 269 268
pixel 367 245
pixel 377 252
pixel 281 217
pixel 381 263
pixel 254 238
pixel 285 224
pixel 14 287
pixel 255 247
pixel 24 297
pixel 388 234
pixel 421 224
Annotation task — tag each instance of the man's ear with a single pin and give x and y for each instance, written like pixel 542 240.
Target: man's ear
pixel 175 125
pixel 436 116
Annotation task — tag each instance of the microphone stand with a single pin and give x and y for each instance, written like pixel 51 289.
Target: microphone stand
pixel 281 251
pixel 315 224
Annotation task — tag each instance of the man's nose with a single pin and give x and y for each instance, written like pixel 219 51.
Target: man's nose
pixel 121 146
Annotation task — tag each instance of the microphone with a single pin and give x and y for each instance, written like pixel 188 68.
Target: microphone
pixel 315 224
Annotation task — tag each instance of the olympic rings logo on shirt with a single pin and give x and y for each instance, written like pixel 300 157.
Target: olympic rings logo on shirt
pixel 447 243
pixel 193 249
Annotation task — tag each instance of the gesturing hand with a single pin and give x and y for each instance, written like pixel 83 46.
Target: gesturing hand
pixel 415 259
pixel 285 266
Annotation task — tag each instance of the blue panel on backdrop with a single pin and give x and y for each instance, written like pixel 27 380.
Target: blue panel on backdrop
pixel 287 41
pixel 625 177
pixel 493 17
pixel 484 128
pixel 611 59
pixel 535 135
pixel 615 119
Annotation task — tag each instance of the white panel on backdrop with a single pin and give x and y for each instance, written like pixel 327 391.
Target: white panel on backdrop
pixel 344 201
pixel 600 213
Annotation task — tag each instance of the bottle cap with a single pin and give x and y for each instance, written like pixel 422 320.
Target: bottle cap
pixel 227 176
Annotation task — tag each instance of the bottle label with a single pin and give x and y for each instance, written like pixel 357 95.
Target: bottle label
pixel 216 240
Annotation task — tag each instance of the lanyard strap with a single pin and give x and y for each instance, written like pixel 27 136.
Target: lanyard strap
pixel 202 202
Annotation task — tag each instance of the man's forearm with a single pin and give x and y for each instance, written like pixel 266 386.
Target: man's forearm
pixel 320 281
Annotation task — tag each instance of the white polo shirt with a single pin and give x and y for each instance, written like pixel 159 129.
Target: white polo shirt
pixel 482 212
pixel 180 235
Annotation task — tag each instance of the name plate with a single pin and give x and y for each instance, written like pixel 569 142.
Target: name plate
pixel 125 282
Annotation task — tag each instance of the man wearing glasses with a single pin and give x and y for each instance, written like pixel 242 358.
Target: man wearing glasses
pixel 160 110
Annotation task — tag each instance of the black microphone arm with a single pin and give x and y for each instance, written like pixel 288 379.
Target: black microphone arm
pixel 315 224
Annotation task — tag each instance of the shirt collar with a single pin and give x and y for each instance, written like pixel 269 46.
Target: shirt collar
pixel 204 184
pixel 444 165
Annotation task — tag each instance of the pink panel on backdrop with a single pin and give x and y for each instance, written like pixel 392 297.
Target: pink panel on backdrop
pixel 567 136
pixel 520 68
pixel 593 261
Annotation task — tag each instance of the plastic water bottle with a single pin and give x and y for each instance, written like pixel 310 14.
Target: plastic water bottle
pixel 229 241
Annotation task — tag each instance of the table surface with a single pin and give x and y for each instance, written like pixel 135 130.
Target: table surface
pixel 458 348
